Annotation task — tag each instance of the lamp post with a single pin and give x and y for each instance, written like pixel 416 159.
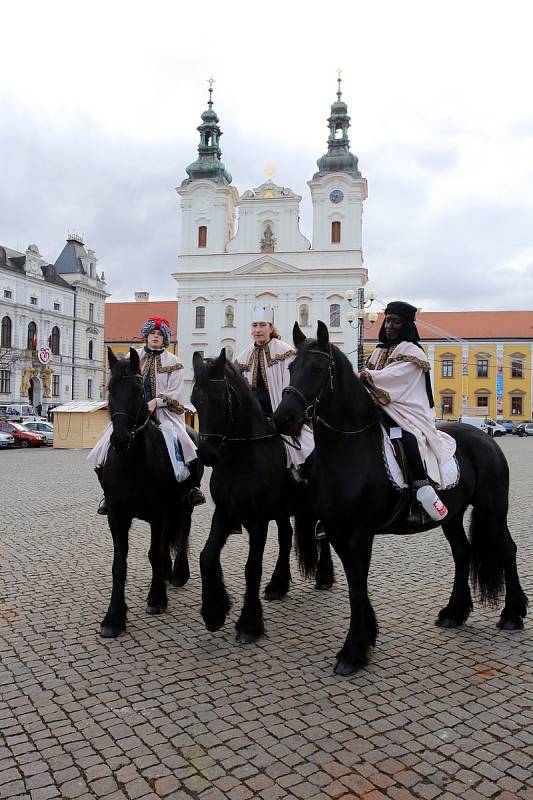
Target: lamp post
pixel 360 301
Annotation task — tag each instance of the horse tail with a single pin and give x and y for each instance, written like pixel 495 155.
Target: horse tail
pixel 488 531
pixel 306 545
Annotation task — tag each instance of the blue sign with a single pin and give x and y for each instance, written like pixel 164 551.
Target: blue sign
pixel 499 385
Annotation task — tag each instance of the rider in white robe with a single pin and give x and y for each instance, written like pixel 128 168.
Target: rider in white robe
pixel 397 375
pixel 164 392
pixel 265 365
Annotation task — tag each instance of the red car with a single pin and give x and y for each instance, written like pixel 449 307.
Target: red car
pixel 22 437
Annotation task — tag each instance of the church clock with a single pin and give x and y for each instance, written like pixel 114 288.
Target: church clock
pixel 336 196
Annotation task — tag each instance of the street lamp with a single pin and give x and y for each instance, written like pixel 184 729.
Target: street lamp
pixel 359 301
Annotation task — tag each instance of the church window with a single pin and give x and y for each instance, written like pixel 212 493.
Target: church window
pixel 7 329
pixel 516 406
pixel 33 301
pixel 304 315
pixel 335 232
pixel 335 315
pixel 199 321
pixel 32 336
pixel 202 236
pixel 8 294
pixel 54 340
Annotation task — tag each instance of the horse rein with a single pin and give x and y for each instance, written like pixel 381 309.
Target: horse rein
pixel 310 412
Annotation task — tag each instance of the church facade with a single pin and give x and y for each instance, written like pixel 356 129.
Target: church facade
pixel 239 250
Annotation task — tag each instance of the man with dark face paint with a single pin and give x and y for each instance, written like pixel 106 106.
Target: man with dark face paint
pixel 397 374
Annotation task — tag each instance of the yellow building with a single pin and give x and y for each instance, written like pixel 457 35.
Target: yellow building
pixel 481 361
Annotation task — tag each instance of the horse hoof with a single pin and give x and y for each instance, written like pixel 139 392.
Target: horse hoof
pixel 344 669
pixel 246 638
pixel 155 609
pixel 111 631
pixel 178 582
pixel 274 595
pixel 447 622
pixel 322 587
pixel 510 624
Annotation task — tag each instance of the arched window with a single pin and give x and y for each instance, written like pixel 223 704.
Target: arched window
pixel 202 236
pixel 54 340
pixel 32 336
pixel 199 321
pixel 303 315
pixel 91 349
pixel 6 332
pixel 335 315
pixel 335 232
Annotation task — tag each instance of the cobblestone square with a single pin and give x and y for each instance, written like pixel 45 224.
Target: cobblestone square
pixel 169 710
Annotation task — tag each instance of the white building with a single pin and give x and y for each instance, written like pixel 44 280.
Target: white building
pixel 238 250
pixel 47 306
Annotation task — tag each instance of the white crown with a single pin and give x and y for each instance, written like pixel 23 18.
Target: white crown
pixel 263 314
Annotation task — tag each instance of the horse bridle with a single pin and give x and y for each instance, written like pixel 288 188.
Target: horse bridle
pixel 310 412
pixel 136 428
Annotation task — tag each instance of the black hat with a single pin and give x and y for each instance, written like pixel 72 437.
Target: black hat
pixel 402 309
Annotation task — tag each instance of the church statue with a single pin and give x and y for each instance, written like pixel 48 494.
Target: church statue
pixel 304 316
pixel 268 241
pixel 230 318
pixel 46 376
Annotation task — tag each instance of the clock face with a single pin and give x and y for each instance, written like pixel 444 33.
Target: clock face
pixel 336 196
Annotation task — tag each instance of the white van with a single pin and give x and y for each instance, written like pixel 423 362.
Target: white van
pixel 486 424
pixel 20 411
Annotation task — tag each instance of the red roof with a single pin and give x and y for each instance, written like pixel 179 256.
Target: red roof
pixel 435 325
pixel 123 321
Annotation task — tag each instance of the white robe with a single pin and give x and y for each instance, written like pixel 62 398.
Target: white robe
pixel 277 357
pixel 396 378
pixel 169 390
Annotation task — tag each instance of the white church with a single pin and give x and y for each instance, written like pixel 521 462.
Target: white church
pixel 240 250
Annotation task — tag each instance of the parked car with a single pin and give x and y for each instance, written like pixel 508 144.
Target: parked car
pixel 19 411
pixel 44 428
pixel 6 440
pixel 486 424
pixel 524 429
pixel 508 424
pixel 22 437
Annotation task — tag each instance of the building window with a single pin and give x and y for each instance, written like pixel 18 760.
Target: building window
pixel 89 388
pixel 517 368
pixel 55 385
pixel 303 315
pixel 32 336
pixel 91 349
pixel 91 312
pixel 199 317
pixel 6 332
pixel 335 315
pixel 54 340
pixel 33 301
pixel 202 236
pixel 57 307
pixel 335 233
pixel 446 404
pixel 5 381
pixel 483 368
pixel 516 406
pixel 447 367
pixel 229 317
pixel 8 294
pixel 482 401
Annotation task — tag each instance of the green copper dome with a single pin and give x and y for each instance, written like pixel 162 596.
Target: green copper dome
pixel 208 164
pixel 338 158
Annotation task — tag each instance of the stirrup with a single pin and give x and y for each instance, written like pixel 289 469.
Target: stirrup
pixel 102 507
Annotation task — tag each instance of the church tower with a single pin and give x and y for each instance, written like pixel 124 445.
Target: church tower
pixel 208 199
pixel 338 189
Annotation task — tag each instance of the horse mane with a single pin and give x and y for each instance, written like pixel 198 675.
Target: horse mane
pixel 244 391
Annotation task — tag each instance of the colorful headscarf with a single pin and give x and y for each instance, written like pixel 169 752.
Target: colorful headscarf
pixel 157 324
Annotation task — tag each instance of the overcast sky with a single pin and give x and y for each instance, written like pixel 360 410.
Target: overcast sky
pixel 100 100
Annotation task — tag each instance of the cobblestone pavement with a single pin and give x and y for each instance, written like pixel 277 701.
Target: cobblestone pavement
pixel 171 710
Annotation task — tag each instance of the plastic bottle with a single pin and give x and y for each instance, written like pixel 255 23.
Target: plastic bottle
pixel 431 503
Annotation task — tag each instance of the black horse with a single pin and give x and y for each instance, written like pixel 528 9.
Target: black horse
pixel 139 482
pixel 250 484
pixel 357 500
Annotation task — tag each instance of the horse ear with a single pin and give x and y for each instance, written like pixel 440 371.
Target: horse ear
pixel 134 360
pixel 322 334
pixel 111 358
pixel 298 336
pixel 220 363
pixel 197 362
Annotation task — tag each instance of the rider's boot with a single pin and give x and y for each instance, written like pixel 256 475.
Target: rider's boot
pixel 195 495
pixel 102 506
